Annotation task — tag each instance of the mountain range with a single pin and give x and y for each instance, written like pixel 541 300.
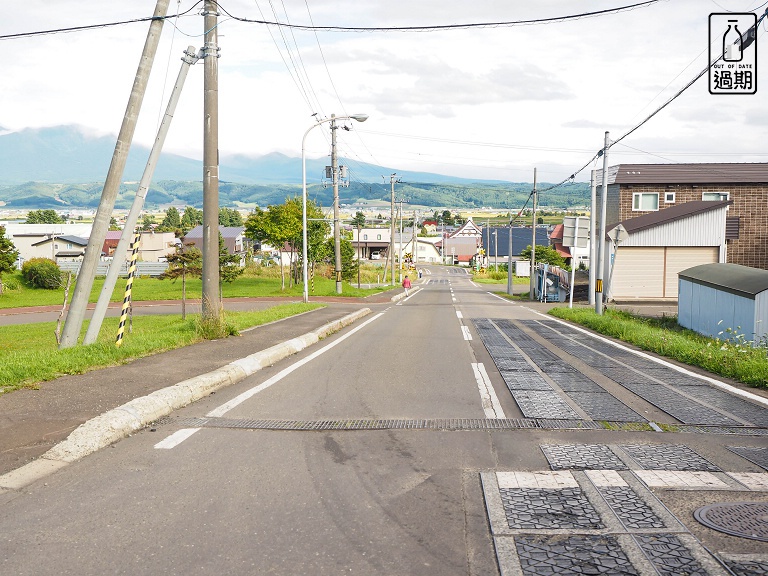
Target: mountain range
pixel 63 166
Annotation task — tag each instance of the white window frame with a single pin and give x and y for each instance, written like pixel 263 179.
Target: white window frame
pixel 721 194
pixel 669 197
pixel 637 202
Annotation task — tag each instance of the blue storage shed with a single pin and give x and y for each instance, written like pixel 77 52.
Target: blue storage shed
pixel 714 298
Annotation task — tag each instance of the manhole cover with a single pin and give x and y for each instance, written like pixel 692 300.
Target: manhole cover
pixel 744 519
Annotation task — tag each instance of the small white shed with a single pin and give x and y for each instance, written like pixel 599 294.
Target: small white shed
pixel 714 298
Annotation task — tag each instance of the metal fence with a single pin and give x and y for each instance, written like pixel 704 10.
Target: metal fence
pixel 142 268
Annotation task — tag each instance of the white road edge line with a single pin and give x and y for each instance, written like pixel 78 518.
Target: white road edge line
pixel 491 405
pixel 459 314
pixel 176 438
pixel 465 331
pixel 718 383
pixel 237 400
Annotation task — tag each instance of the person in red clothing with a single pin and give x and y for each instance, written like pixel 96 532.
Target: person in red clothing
pixel 406 284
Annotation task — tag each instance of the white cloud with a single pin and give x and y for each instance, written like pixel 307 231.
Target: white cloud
pixel 544 95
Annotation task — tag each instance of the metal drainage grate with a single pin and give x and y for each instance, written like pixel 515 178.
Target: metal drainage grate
pixel 744 519
pixel 373 424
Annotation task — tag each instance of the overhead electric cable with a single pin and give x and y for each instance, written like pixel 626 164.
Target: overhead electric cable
pixel 434 28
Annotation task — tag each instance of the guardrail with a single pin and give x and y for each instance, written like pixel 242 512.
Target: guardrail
pixel 142 268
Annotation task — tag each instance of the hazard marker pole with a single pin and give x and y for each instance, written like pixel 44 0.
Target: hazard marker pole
pixel 128 285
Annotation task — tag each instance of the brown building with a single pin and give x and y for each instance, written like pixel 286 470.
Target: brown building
pixel 637 189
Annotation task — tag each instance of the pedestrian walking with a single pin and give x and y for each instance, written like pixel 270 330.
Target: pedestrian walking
pixel 406 284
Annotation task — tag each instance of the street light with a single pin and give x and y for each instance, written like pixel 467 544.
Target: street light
pixel 358 118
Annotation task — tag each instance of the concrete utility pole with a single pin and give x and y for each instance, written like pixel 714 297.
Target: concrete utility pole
pixel 601 232
pixel 336 223
pixel 211 292
pixel 414 245
pixel 510 279
pixel 592 236
pixel 74 321
pixel 532 295
pixel 392 179
pixel 400 246
pixel 126 237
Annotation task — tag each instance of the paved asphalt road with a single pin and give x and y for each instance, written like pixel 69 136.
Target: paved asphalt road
pixel 451 432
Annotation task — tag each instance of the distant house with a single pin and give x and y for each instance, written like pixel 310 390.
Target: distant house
pixel 495 240
pixel 153 246
pixel 661 244
pixel 637 189
pixel 372 243
pixel 234 238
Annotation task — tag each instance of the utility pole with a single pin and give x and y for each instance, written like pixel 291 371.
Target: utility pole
pixel 532 295
pixel 84 283
pixel 601 233
pixel 336 230
pixel 592 236
pixel 400 246
pixel 392 180
pixel 126 237
pixel 414 248
pixel 211 291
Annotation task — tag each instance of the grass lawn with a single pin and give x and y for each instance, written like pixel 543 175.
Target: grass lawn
pixel 664 336
pixel 29 353
pixel 17 294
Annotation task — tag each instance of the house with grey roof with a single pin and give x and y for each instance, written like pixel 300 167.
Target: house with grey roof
pixel 638 189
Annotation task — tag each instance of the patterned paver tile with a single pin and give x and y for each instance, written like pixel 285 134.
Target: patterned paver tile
pixel 572 556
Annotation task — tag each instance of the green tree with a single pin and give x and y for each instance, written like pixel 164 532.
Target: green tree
pixel 358 220
pixel 147 222
pixel 187 260
pixel 230 217
pixel 282 224
pixel 171 222
pixel 192 217
pixel 113 224
pixel 229 264
pixel 544 254
pixel 44 217
pixel 8 256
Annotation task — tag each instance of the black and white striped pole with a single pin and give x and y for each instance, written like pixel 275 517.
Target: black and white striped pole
pixel 128 286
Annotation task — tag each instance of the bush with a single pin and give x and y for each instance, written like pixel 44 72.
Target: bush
pixel 41 273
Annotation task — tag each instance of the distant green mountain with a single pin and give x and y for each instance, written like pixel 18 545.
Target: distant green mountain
pixel 62 167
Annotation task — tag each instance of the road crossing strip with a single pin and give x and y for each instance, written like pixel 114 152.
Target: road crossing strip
pixel 713 381
pixel 236 401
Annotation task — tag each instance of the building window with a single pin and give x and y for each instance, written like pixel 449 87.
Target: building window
pixel 365 236
pixel 646 201
pixel 378 236
pixel 714 196
pixel 669 198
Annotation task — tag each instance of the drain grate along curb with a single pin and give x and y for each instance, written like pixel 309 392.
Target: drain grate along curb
pixel 448 424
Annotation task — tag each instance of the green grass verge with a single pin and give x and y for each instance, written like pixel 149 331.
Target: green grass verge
pixel 664 336
pixel 18 295
pixel 29 353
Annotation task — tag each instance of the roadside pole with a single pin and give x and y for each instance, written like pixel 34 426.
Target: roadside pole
pixel 601 232
pixel 592 237
pixel 76 315
pixel 118 256
pixel 533 243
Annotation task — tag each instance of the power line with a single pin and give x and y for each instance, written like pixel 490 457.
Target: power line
pixel 431 28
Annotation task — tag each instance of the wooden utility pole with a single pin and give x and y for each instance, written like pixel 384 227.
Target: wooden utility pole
pixel 92 255
pixel 211 296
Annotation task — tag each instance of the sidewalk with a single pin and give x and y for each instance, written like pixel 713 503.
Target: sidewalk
pixel 34 420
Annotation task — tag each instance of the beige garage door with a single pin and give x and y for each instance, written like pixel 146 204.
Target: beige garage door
pixel 638 272
pixel 679 259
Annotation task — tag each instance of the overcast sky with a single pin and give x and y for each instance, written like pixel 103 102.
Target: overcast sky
pixel 488 103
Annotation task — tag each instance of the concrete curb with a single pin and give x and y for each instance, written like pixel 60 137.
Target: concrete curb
pixel 120 422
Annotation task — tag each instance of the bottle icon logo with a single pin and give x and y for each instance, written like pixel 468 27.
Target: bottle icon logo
pixel 732 43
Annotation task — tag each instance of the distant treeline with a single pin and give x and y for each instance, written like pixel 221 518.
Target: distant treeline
pixel 43 195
